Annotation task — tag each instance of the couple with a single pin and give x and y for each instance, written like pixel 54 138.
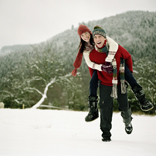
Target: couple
pixel 112 65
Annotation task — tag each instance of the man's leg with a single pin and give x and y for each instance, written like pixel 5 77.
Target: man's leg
pixel 106 111
pixel 125 110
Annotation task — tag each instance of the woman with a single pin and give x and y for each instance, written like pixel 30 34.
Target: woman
pixel 85 47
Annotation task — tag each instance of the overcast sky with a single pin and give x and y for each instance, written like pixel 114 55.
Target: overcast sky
pixel 34 21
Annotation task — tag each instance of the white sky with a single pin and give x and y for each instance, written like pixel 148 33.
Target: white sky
pixel 34 21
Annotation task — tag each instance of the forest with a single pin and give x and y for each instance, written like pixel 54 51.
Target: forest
pixel 41 73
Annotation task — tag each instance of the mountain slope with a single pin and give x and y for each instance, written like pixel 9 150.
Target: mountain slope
pixel 135 30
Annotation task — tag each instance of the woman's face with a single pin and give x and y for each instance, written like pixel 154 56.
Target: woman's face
pixel 86 36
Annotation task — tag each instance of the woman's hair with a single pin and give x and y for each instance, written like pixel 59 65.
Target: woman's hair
pixel 83 43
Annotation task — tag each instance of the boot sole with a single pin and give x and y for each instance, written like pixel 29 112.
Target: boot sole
pixel 91 120
pixel 143 109
pixel 129 132
pixel 106 140
pixel 147 109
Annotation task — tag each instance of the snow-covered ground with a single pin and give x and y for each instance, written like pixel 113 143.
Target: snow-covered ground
pixel 32 132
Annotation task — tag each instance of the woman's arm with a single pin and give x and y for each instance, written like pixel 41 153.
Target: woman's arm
pixel 90 63
pixel 113 46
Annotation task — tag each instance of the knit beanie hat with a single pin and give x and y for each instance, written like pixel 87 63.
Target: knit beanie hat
pixel 99 31
pixel 82 29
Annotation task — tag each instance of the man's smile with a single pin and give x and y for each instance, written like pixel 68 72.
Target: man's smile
pixel 99 43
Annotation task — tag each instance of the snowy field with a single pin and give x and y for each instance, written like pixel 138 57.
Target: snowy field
pixel 32 132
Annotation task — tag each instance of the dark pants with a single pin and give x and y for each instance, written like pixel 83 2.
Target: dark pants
pixel 129 77
pixel 94 81
pixel 106 108
pixel 94 84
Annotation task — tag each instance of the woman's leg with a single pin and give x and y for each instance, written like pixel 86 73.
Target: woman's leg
pixel 129 77
pixel 138 91
pixel 93 99
pixel 94 84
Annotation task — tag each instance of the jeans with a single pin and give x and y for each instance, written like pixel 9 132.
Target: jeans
pixel 106 109
pixel 129 77
pixel 94 84
pixel 94 81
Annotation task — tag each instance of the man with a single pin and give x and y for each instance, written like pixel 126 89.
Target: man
pixel 112 84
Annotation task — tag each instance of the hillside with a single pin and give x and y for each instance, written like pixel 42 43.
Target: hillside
pixel 26 70
pixel 136 31
pixel 133 30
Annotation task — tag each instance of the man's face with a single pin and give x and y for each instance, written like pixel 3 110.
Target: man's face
pixel 99 40
pixel 86 36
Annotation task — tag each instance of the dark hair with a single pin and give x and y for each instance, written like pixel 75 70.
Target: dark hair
pixel 83 44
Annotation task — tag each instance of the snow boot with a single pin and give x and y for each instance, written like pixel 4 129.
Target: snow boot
pixel 128 128
pixel 145 105
pixel 93 110
pixel 127 120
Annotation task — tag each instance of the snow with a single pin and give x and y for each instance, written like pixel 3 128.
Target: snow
pixel 33 132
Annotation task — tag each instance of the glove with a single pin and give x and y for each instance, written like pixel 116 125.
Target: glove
pixel 107 67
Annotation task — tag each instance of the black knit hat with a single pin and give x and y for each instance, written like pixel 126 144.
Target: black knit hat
pixel 99 31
